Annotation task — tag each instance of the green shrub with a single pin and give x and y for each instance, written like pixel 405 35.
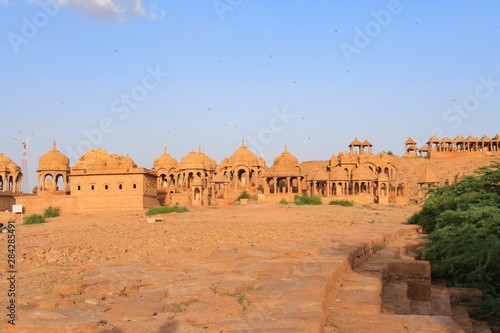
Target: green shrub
pixel 284 202
pixel 345 203
pixel 34 219
pixel 307 200
pixel 52 212
pixel 243 195
pixel 463 222
pixel 165 210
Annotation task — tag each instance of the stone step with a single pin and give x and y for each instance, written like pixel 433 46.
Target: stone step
pixel 391 292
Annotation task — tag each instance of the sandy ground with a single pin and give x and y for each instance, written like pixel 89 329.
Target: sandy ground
pixel 67 248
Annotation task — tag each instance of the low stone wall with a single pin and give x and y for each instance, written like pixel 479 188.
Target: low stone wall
pixel 455 154
pixel 36 204
pixel 6 202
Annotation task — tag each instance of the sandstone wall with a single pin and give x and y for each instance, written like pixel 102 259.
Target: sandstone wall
pixel 455 154
pixel 6 202
pixel 37 204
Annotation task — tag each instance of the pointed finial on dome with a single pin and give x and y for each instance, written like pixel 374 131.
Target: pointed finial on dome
pixel 199 149
pixel 204 152
pixel 243 142
pixel 165 147
pixel 286 151
pixel 54 143
pixel 127 154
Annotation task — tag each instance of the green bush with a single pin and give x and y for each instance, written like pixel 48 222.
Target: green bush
pixel 345 203
pixel 284 202
pixel 52 212
pixel 34 219
pixel 243 195
pixel 307 200
pixel 165 210
pixel 463 222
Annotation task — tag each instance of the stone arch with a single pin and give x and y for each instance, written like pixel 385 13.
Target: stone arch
pixel 57 184
pixel 48 182
pixel 163 180
pixel 197 194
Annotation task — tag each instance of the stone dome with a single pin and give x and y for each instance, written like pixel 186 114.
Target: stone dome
pixel 192 161
pixel 127 162
pixel 13 167
pixel 382 177
pixel 101 160
pixel 362 173
pixel 262 162
pixel 53 160
pixel 348 159
pixel 283 167
pixel 334 161
pixel 286 155
pixel 4 160
pixel 338 174
pixel 243 154
pixel 165 161
pixel 210 164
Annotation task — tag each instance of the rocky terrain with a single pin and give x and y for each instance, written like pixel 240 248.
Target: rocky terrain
pixel 260 268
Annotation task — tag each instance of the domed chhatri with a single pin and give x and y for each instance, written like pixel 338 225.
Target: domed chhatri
pixel 243 169
pixel 460 146
pixel 10 175
pixel 102 181
pixel 53 172
pixel 53 160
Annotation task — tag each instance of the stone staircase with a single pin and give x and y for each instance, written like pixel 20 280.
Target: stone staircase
pixel 393 292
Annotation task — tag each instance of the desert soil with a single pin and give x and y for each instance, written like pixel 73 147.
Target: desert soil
pixel 128 272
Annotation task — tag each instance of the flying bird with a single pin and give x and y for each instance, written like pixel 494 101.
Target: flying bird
pixel 116 51
pixel 335 30
pixel 348 71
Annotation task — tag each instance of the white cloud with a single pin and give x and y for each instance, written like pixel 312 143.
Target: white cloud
pixel 7 3
pixel 110 11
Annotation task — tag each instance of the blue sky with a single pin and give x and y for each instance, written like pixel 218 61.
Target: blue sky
pixel 309 74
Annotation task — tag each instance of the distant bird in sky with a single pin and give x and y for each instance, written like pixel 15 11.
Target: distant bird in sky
pixel 271 56
pixel 209 109
pixel 225 124
pixel 309 138
pixel 335 30
pixel 116 51
pixel 294 82
pixel 348 71
pixel 220 60
pixel 416 23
